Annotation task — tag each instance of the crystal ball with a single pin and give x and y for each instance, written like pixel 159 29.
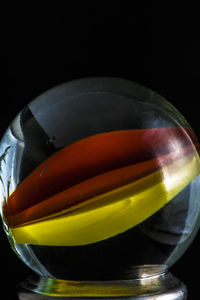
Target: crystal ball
pixel 99 176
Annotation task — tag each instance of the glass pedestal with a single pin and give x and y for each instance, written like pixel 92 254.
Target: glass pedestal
pixel 159 287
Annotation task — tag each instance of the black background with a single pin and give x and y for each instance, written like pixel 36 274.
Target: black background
pixel 154 43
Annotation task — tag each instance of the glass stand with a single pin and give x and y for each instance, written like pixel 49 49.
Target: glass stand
pixel 160 287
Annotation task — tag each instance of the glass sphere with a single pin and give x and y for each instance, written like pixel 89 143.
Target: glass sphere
pixel 99 176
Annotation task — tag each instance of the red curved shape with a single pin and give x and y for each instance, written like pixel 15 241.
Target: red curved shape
pixel 92 166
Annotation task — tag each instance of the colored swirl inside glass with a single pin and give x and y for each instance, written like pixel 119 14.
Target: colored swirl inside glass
pixel 101 186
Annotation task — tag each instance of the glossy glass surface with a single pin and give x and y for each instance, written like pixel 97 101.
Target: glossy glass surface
pixel 98 176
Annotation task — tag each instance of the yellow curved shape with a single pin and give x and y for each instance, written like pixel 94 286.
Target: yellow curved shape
pixel 114 212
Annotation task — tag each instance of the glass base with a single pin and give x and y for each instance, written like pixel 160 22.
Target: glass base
pixel 158 287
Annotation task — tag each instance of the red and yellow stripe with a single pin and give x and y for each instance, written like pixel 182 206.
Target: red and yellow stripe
pixel 102 185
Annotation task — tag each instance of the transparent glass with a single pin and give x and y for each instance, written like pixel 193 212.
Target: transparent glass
pixel 99 176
